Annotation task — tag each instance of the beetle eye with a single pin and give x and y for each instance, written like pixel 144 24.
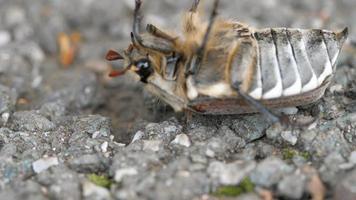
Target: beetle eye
pixel 143 64
pixel 144 69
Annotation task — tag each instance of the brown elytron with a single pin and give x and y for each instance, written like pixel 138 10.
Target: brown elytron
pixel 226 67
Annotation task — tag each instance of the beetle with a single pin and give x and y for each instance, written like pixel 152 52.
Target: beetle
pixel 226 67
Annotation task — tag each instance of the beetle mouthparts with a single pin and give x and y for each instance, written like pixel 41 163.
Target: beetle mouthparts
pixel 116 73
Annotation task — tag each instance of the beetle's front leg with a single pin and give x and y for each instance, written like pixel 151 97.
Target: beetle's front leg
pixel 153 30
pixel 195 5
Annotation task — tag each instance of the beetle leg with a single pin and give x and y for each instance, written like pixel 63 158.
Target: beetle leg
pixel 274 118
pixel 153 30
pixel 197 59
pixel 256 104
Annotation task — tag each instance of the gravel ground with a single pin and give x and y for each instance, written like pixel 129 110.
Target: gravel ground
pixel 73 133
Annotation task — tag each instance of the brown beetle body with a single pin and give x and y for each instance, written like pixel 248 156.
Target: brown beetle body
pixel 226 67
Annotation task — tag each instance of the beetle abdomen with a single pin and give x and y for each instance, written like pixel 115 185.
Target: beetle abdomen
pixel 292 61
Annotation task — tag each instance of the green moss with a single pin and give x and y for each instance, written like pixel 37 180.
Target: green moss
pixel 102 181
pixel 306 155
pixel 288 154
pixel 246 186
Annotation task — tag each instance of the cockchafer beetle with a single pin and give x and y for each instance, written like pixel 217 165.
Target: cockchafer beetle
pixel 226 67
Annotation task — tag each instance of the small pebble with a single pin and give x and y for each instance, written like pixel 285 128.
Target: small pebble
pixel 182 140
pixel 121 173
pixel 95 134
pixel 138 136
pixel 104 147
pixel 210 153
pixel 5 117
pixel 92 191
pixel 44 163
pixel 352 158
pixel 152 145
pixel 290 137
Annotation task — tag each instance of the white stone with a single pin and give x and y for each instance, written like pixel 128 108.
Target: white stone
pixel 44 163
pixel 5 117
pixel 289 111
pixel 95 134
pixel 152 145
pixel 231 173
pixel 183 140
pixel 138 136
pixel 289 137
pixel 104 147
pixel 112 137
pixel 95 192
pixel 121 173
pixel 5 38
pixel 336 88
pixel 210 153
pixel 352 158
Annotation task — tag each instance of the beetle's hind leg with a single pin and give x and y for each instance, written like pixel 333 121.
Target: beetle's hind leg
pixel 274 118
pixel 197 59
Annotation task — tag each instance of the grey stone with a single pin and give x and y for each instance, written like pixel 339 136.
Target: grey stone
pixel 32 51
pixel 330 169
pixel 346 188
pixel 53 110
pixel 352 158
pixel 29 190
pixel 78 88
pixel 232 141
pixel 292 186
pixel 89 163
pixel 270 171
pixel 201 133
pixel 5 37
pixel 250 128
pixel 94 192
pixel 165 131
pixel 14 15
pixel 325 141
pixel 91 124
pixel 31 121
pixel 61 183
pixel 7 103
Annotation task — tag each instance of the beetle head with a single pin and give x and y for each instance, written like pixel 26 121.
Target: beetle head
pixel 153 59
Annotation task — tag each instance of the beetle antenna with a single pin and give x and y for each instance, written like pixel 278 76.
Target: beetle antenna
pixel 136 32
pixel 113 55
pixel 137 22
